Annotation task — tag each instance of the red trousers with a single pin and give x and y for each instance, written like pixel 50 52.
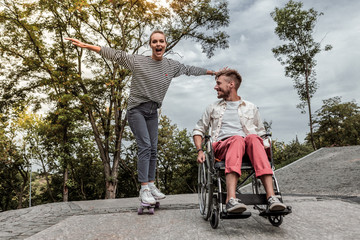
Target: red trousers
pixel 233 149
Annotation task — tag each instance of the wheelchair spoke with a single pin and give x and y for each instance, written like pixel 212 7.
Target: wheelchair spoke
pixel 205 189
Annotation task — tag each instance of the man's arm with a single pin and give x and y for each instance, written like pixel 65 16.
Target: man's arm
pixel 202 127
pixel 197 142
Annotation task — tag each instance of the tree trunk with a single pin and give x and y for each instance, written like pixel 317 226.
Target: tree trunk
pixel 20 194
pixel 46 178
pixel 110 190
pixel 311 127
pixel 65 188
pixel 82 189
pixel 20 197
pixel 307 72
pixel 48 186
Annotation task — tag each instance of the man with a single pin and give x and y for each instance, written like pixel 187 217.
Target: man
pixel 236 128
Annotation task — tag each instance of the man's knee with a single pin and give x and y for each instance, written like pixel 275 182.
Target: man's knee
pixel 237 139
pixel 253 139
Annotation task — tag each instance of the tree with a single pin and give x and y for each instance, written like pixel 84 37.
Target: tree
pixel 14 164
pixel 177 166
pixel 36 59
pixel 297 26
pixel 284 154
pixel 337 123
pixel 42 141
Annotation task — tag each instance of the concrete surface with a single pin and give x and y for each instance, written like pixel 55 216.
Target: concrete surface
pixel 322 188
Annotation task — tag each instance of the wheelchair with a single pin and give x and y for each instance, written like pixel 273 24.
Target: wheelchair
pixel 212 197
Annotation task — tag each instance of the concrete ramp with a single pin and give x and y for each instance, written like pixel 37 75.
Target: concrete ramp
pixel 328 171
pixel 322 188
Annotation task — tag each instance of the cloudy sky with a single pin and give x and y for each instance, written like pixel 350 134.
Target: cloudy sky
pixel 252 37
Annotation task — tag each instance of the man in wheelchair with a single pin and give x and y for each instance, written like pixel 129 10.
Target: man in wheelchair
pixel 236 128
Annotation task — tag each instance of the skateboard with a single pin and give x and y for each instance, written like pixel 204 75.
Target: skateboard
pixel 149 207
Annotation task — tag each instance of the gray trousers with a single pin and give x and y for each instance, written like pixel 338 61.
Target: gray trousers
pixel 143 121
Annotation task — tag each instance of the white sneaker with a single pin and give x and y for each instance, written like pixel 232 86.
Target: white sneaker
pixel 274 204
pixel 234 205
pixel 156 193
pixel 146 197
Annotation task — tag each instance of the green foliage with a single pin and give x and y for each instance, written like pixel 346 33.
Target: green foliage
pixel 128 178
pixel 187 16
pixel 284 154
pixel 177 166
pixel 42 143
pixel 14 163
pixel 337 123
pixel 66 144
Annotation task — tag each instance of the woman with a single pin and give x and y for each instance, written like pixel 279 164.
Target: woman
pixel 151 78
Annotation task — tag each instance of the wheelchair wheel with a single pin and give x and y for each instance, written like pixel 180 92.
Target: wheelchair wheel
pixel 214 220
pixel 205 189
pixel 276 220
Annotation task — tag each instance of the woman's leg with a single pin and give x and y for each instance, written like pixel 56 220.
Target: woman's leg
pixel 137 118
pixel 152 126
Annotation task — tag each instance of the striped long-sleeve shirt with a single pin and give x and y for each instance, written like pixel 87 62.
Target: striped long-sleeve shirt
pixel 151 78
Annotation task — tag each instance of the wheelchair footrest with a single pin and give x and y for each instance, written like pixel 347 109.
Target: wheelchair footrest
pixel 251 199
pixel 267 212
pixel 226 215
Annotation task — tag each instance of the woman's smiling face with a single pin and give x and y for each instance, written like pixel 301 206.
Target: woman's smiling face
pixel 158 46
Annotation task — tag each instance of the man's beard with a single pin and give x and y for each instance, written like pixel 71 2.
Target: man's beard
pixel 223 94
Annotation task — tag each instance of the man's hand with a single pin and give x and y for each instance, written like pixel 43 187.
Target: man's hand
pixel 197 141
pixel 200 157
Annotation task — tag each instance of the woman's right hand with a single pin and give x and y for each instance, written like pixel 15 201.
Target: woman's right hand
pixel 83 45
pixel 77 42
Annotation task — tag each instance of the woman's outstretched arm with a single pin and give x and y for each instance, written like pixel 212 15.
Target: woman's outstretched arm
pixel 84 45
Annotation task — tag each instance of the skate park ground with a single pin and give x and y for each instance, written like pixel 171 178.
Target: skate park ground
pixel 322 189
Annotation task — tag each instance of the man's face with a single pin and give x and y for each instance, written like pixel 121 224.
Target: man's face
pixel 223 87
pixel 158 46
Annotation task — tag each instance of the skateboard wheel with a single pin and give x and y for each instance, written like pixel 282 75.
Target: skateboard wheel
pixel 151 210
pixel 140 211
pixel 157 204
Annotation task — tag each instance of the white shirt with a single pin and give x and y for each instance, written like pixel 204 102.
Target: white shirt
pixel 212 119
pixel 231 121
